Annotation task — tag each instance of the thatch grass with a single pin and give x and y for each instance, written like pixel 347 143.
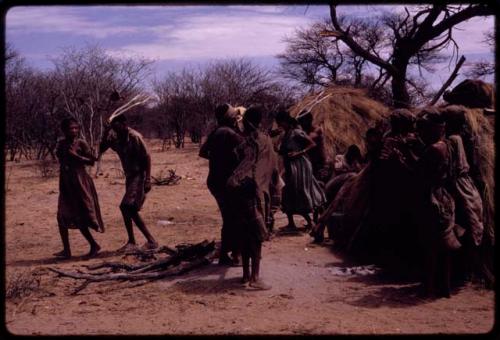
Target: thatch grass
pixel 344 114
pixel 484 130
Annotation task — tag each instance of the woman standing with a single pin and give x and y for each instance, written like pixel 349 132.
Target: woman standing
pixel 78 205
pixel 302 192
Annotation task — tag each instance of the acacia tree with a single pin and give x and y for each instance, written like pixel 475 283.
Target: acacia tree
pixel 316 62
pixel 417 35
pixel 311 59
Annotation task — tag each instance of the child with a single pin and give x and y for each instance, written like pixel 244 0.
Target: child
pixel 252 186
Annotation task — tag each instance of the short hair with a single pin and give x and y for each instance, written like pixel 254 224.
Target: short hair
pixel 353 151
pixel 284 116
pixel 434 118
pixel 221 110
pixel 66 122
pixel 402 117
pixel 253 115
pixel 428 110
pixel 373 132
pixel 454 115
pixel 120 119
pixel 305 117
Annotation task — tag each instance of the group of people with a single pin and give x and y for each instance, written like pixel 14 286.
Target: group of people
pixel 413 198
pixel 245 180
pixel 410 192
pixel 78 205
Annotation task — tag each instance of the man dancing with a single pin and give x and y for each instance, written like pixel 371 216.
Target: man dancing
pixel 136 164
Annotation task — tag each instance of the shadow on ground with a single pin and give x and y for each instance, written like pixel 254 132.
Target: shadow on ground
pixel 55 260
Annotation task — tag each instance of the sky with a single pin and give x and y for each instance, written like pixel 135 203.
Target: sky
pixel 184 36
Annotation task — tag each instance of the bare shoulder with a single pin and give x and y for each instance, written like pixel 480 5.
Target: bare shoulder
pixel 136 135
pixel 82 142
pixel 455 139
pixel 438 149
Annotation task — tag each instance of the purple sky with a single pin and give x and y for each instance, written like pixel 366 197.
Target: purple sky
pixel 179 36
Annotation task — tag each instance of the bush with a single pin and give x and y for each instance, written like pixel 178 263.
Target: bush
pixel 22 284
pixel 47 168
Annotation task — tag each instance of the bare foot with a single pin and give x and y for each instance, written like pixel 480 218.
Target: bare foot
pixel 236 262
pixel 289 227
pixel 149 245
pixel 225 260
pixel 127 247
pixel 94 250
pixel 244 281
pixel 260 285
pixel 63 254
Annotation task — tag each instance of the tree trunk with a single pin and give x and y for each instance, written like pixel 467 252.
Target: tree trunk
pixel 400 96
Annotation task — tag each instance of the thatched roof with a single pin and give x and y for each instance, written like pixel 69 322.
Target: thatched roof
pixel 484 129
pixel 473 93
pixel 344 114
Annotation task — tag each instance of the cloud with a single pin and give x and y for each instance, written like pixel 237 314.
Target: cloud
pixel 169 33
pixel 218 36
pixel 48 19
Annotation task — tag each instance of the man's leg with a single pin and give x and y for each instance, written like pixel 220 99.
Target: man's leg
pixel 94 247
pixel 127 219
pixel 308 220
pixel 291 224
pixel 224 258
pixel 66 252
pixel 255 281
pixel 246 268
pixel 151 242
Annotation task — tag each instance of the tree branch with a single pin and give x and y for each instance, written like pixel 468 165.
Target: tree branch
pixel 355 47
pixel 448 82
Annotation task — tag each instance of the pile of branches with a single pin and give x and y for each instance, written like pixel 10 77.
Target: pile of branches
pixel 170 179
pixel 178 261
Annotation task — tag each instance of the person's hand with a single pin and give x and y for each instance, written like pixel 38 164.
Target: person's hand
pixel 385 153
pixel 147 185
pixel 72 152
pixel 294 154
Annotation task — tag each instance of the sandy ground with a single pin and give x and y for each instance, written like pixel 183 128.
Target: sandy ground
pixel 306 296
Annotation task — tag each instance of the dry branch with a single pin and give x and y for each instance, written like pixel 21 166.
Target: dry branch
pixel 448 82
pixel 170 179
pixel 185 258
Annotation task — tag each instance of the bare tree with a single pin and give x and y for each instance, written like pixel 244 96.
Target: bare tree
pixel 10 52
pixel 179 96
pixel 416 36
pixel 87 77
pixel 484 68
pixel 311 59
pixel 187 99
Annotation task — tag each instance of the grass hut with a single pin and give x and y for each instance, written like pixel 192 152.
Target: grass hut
pixel 344 114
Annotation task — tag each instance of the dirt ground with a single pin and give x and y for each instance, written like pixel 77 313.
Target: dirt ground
pixel 307 296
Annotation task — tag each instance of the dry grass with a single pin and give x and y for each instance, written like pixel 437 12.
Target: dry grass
pixel 484 129
pixel 47 168
pixel 344 114
pixel 22 284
